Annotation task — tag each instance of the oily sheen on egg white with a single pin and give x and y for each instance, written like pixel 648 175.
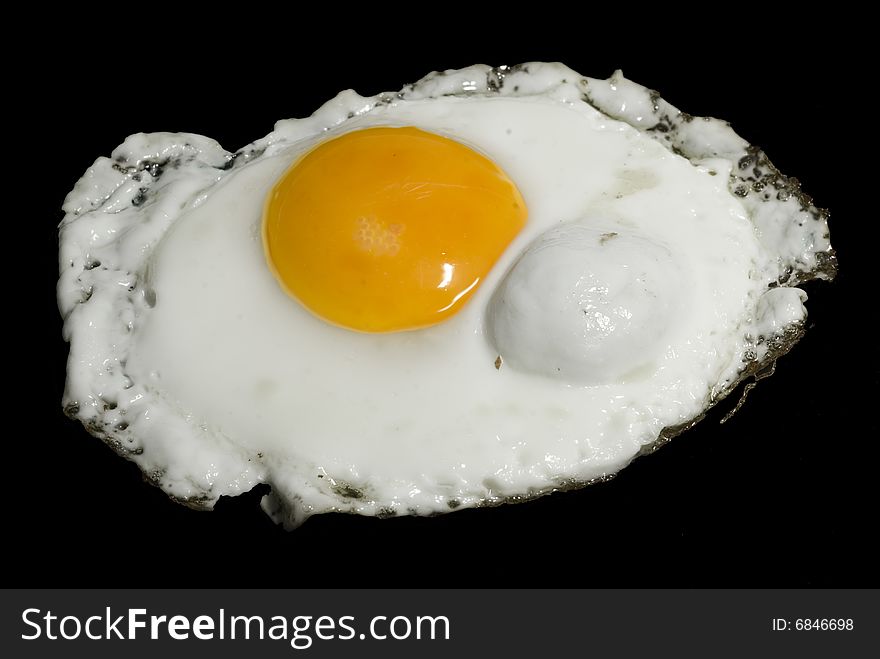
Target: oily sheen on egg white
pixel 188 357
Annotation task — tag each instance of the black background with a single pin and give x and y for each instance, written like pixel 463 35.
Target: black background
pixel 779 496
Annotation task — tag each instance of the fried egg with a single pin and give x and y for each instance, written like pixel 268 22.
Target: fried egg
pixel 494 284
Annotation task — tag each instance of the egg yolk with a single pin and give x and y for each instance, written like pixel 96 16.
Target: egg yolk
pixel 388 229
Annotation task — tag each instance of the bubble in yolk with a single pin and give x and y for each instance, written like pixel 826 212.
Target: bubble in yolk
pixel 388 229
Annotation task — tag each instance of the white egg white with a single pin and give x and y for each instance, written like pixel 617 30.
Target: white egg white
pixel 187 357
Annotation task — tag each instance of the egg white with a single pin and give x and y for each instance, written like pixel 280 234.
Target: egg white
pixel 215 380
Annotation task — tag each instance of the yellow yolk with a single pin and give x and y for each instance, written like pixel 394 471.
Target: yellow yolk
pixel 389 229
